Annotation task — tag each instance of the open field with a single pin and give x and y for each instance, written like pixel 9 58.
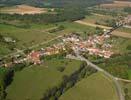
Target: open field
pixel 37 34
pixel 96 20
pixel 95 87
pixel 121 34
pixel 94 17
pixel 23 9
pixel 120 45
pixel 26 37
pixel 32 82
pixel 92 25
pixel 124 29
pixel 117 4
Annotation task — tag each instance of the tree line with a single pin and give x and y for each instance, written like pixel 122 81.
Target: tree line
pixel 67 14
pixel 53 3
pixel 68 82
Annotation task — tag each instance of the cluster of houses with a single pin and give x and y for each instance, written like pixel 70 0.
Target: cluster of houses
pixel 94 45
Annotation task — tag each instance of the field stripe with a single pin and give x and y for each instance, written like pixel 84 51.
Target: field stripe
pixel 93 25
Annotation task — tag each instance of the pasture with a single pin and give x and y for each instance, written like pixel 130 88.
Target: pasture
pixel 25 37
pixel 33 81
pixel 95 87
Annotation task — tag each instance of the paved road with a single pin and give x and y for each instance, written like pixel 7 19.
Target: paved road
pixel 117 85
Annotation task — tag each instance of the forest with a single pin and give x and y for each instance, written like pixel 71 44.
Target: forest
pixel 53 3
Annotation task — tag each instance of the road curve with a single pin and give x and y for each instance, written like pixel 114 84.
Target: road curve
pixel 117 85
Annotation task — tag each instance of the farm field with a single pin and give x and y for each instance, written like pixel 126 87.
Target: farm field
pixel 92 88
pixel 95 18
pixel 124 29
pixel 92 25
pixel 32 82
pixel 23 9
pixel 78 28
pixel 117 4
pixel 25 37
pixel 36 34
pixel 121 34
pixel 120 45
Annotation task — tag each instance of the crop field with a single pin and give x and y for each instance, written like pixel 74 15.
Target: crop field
pixel 96 17
pixel 91 20
pixel 120 45
pixel 92 25
pixel 95 87
pixel 117 4
pixel 122 34
pixel 76 27
pixel 23 9
pixel 32 82
pixel 124 29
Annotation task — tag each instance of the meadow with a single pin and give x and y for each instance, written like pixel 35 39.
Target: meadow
pixel 95 87
pixel 33 81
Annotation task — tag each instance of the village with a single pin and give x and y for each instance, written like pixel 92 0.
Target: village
pixel 94 45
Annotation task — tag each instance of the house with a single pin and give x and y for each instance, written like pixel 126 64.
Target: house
pixel 34 57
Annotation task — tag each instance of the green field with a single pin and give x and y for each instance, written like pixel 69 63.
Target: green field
pixel 120 45
pixel 95 87
pixel 97 17
pixel 32 82
pixel 129 74
pixel 27 37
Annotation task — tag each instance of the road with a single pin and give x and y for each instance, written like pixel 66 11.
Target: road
pixel 34 46
pixel 115 80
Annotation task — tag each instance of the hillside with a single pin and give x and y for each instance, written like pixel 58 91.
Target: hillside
pixel 53 3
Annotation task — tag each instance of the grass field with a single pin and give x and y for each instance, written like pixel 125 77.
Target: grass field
pixel 36 34
pixel 25 37
pixel 29 36
pixel 32 82
pixel 23 9
pixel 96 17
pixel 120 45
pixel 75 27
pixel 95 87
